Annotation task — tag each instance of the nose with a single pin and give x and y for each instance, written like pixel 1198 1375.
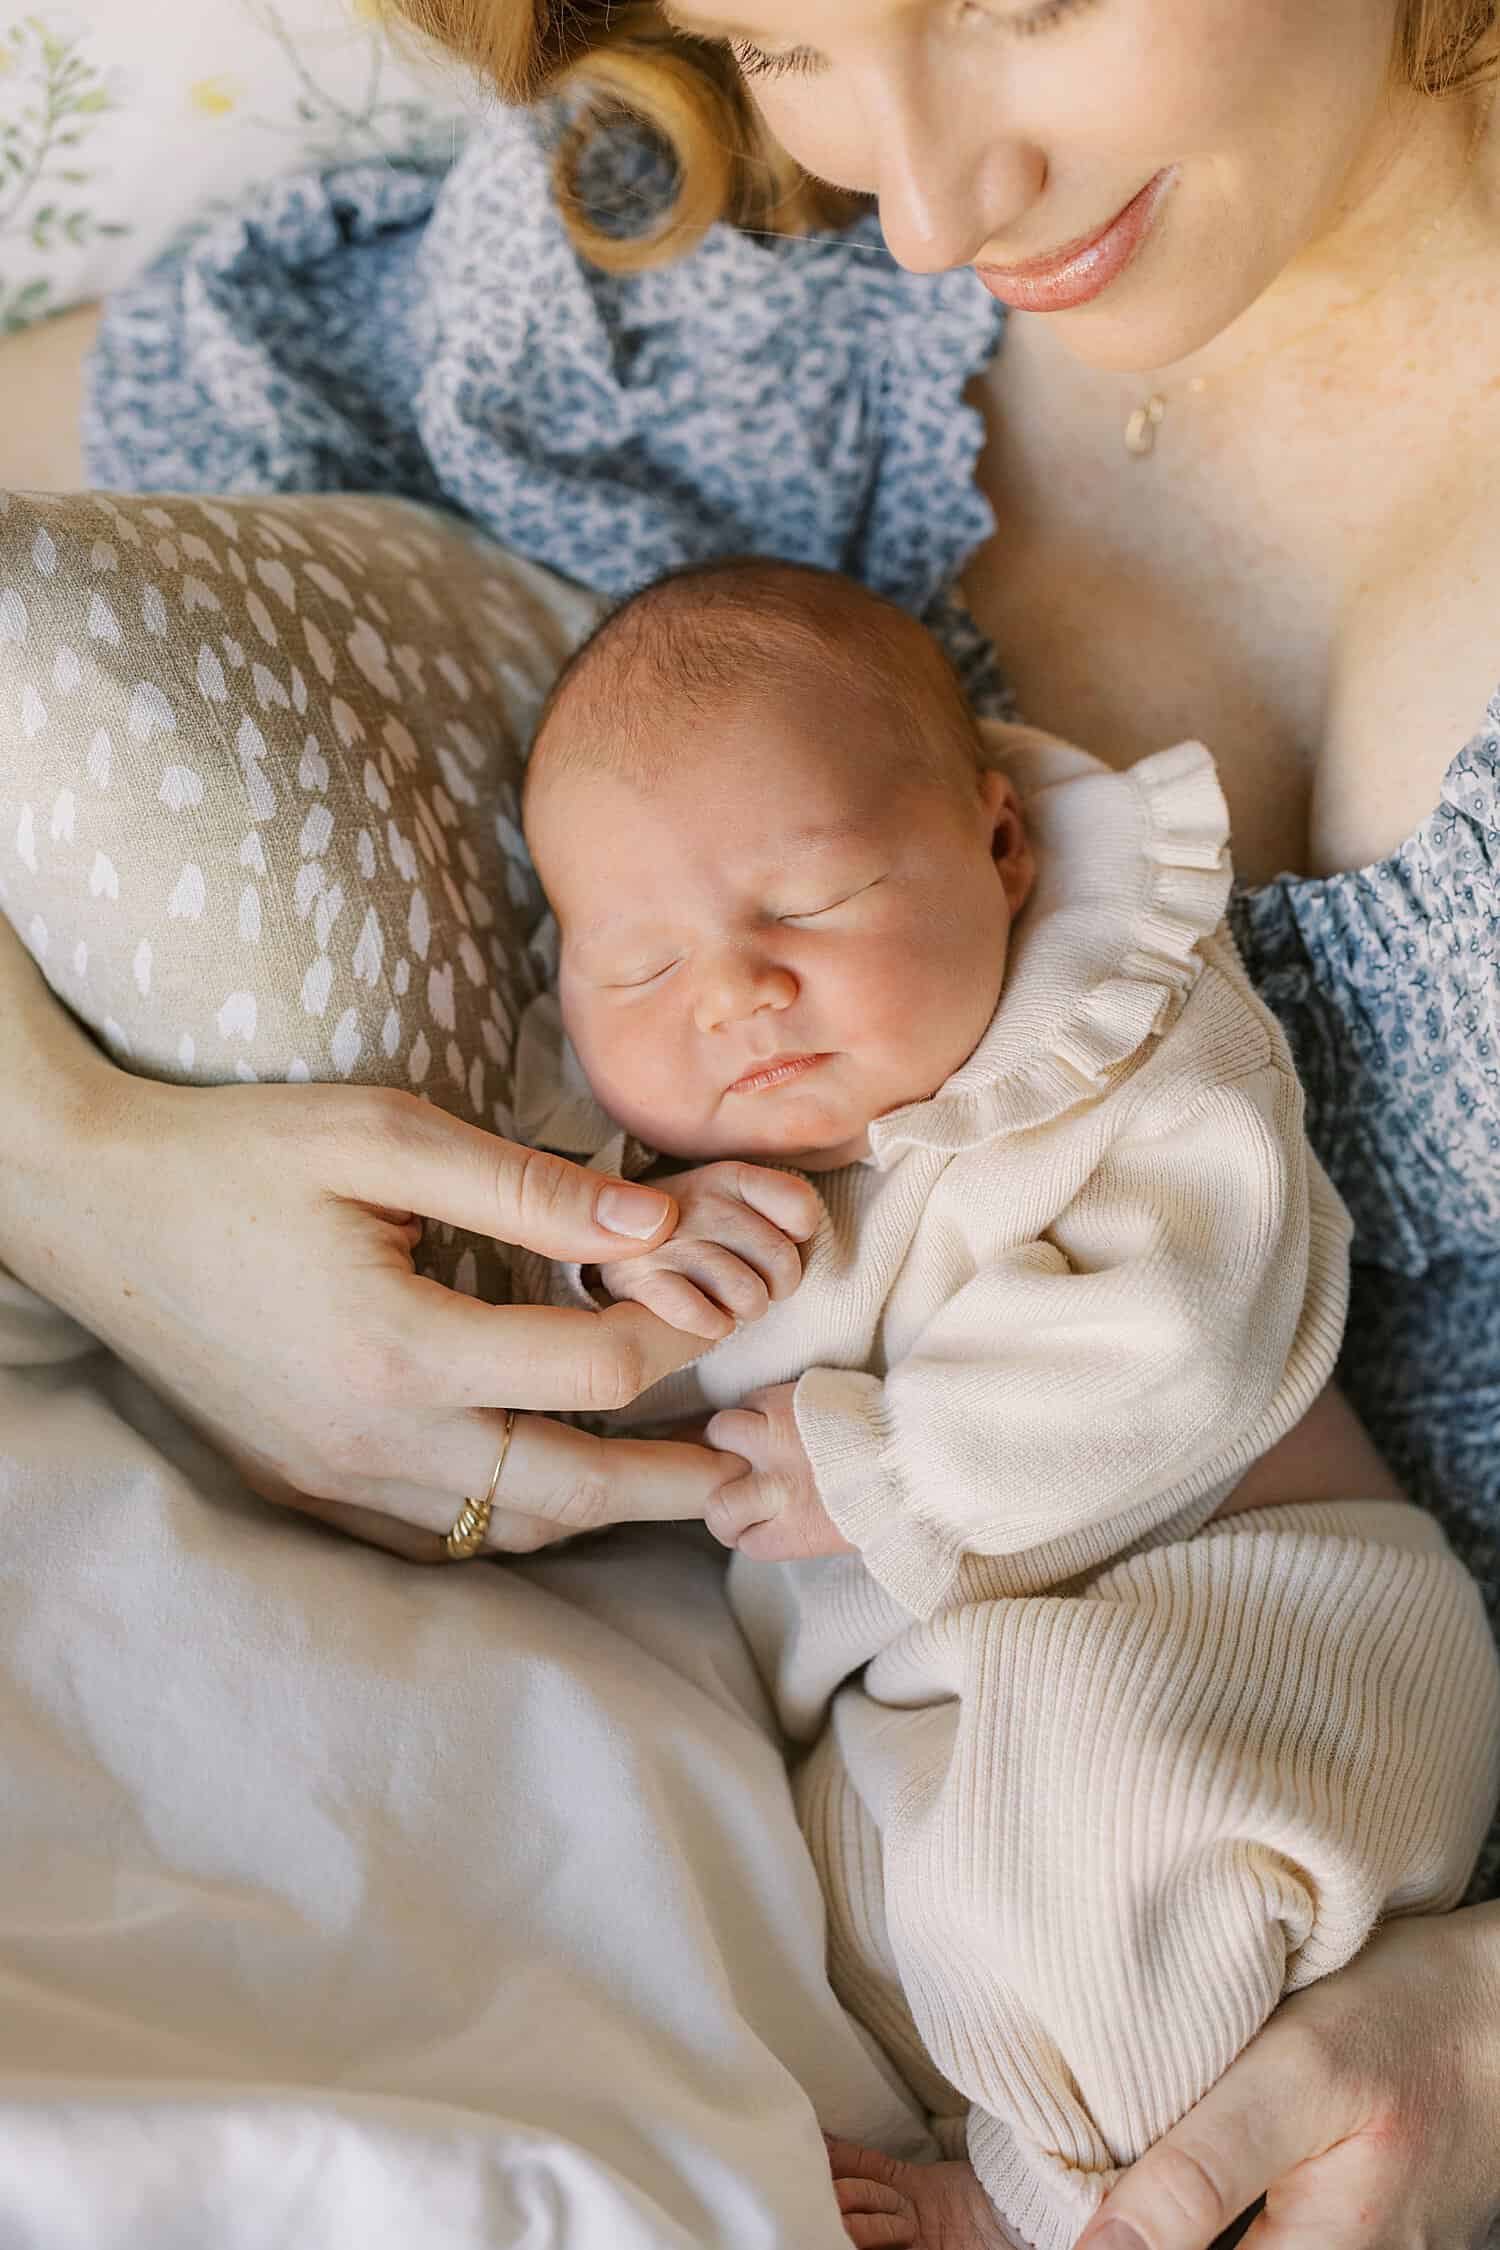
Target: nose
pixel 736 985
pixel 953 174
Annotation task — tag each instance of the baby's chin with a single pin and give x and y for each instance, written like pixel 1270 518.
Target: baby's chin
pixel 762 1146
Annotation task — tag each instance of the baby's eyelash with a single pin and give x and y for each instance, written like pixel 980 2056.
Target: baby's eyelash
pixel 846 898
pixel 638 984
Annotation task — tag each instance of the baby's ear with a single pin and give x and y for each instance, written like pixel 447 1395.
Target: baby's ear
pixel 1010 839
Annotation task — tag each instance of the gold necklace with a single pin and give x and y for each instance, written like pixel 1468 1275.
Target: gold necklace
pixel 1147 418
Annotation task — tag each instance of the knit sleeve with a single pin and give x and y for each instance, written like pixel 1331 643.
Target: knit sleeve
pixel 1080 1392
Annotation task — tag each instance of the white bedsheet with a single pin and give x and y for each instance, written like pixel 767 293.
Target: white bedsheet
pixel 345 1903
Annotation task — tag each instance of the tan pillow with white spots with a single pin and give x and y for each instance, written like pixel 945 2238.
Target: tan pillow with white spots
pixel 258 787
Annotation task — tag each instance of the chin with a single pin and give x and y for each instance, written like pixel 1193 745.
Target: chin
pixel 1150 341
pixel 811 1148
pixel 1167 308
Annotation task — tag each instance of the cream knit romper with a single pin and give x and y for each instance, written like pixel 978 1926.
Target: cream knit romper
pixel 1091 1781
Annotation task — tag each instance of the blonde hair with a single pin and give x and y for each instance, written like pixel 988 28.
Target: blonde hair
pixel 1446 45
pixel 625 60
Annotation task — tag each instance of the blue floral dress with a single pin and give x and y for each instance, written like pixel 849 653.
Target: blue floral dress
pixel 437 336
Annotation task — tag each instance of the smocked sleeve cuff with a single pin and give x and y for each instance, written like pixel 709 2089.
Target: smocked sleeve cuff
pixel 842 1423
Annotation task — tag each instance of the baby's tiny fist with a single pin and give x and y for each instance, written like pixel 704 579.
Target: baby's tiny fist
pixel 658 1284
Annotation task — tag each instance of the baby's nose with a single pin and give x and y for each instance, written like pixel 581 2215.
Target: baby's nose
pixel 737 988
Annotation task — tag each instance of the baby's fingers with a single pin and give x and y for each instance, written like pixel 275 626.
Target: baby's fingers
pixel 673 1298
pixel 736 1510
pixel 789 1203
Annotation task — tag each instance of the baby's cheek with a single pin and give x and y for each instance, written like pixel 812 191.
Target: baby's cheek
pixel 921 1017
pixel 647 1080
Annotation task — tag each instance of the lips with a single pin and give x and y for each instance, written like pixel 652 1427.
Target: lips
pixel 778 1070
pixel 1083 270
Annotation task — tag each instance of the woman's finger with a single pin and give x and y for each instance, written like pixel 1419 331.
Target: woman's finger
pixel 414 1157
pixel 557 1482
pixel 462 1353
pixel 584 1482
pixel 1249 2131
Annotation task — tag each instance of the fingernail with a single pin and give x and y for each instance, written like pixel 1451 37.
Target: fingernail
pixel 1113 2235
pixel 636 1211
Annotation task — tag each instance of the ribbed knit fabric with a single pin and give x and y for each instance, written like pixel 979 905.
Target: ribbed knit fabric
pixel 1077 1847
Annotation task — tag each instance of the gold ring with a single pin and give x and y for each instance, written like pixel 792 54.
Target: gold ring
pixel 468 1533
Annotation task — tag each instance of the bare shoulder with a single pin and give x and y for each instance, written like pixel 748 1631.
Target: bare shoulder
pixel 41 398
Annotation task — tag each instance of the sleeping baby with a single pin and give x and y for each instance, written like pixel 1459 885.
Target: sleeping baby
pixel 1133 1694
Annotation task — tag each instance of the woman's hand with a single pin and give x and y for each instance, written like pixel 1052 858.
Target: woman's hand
pixel 1367 2113
pixel 248 1249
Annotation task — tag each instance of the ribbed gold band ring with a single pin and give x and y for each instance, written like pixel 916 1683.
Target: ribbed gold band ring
pixel 468 1535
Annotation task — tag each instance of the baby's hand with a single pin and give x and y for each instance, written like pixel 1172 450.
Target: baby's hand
pixel 773 1513
pixel 734 1253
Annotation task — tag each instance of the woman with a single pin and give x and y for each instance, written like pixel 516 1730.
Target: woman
pixel 1239 447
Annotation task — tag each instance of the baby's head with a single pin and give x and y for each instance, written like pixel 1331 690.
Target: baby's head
pixel 784 884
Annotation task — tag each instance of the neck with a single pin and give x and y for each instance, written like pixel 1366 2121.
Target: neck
pixel 1420 195
pixel 829 1159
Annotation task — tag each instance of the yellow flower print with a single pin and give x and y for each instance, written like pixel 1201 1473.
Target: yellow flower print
pixel 215 97
pixel 7 61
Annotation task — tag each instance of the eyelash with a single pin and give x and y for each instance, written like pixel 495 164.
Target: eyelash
pixel 639 984
pixel 814 913
pixel 803 62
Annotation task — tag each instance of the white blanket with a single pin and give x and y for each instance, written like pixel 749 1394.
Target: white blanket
pixel 346 1903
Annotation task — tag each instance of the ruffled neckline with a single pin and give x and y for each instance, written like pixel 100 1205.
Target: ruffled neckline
pixel 1133 875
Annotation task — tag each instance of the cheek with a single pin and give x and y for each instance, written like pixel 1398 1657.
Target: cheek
pixel 916 1002
pixel 826 136
pixel 1274 95
pixel 634 1059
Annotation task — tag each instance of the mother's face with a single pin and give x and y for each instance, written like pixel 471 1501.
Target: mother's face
pixel 1224 136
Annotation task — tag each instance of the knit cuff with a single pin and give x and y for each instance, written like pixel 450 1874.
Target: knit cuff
pixel 842 1424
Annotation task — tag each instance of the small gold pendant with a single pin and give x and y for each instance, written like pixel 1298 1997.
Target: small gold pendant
pixel 1141 429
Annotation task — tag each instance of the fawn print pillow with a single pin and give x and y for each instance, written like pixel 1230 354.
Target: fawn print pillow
pixel 258 790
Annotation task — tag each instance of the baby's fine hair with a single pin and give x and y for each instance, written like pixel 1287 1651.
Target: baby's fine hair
pixel 714 635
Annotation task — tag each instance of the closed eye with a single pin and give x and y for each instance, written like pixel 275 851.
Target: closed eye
pixel 846 898
pixel 638 984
